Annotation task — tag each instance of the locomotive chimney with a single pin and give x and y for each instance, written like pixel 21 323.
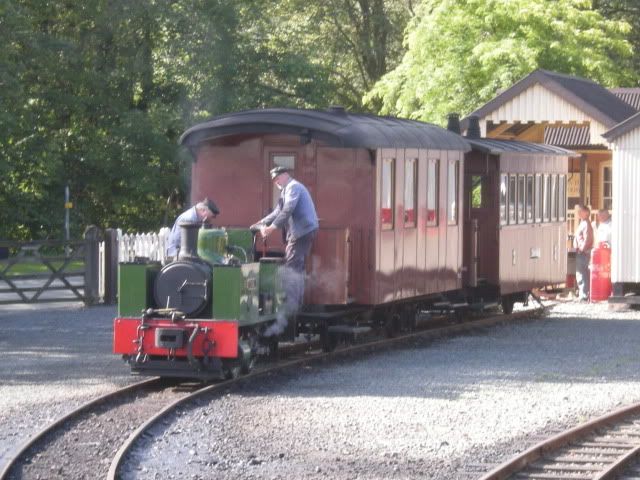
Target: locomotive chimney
pixel 188 241
pixel 473 131
pixel 453 123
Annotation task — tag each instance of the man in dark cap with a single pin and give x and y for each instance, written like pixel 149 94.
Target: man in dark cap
pixel 202 212
pixel 296 214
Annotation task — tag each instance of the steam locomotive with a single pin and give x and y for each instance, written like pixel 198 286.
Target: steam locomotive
pixel 413 218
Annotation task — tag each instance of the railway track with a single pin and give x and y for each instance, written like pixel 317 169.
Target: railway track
pixel 94 440
pixel 605 448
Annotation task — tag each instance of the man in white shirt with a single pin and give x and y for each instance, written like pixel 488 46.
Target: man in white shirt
pixel 603 234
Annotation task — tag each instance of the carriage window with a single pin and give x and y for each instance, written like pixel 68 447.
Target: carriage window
pixel 546 198
pixel 433 181
pixel 529 200
pixel 503 199
pixel 512 199
pixel 476 191
pixel 410 185
pixel 538 199
pixel 281 160
pixel 452 193
pixel 387 193
pixel 554 198
pixel 521 179
pixel 562 198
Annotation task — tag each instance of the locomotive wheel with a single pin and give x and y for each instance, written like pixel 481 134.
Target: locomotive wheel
pixel 231 368
pixel 507 304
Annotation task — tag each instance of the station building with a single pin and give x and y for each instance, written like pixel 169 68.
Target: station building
pixel 565 111
pixel 603 126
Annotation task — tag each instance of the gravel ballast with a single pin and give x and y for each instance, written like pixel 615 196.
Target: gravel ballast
pixel 431 409
pixel 54 358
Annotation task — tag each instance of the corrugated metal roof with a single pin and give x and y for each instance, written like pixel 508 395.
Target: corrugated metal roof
pixel 628 95
pixel 567 135
pixel 334 126
pixel 496 147
pixel 587 95
pixel 629 124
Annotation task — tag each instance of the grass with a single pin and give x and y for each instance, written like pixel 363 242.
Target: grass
pixel 31 268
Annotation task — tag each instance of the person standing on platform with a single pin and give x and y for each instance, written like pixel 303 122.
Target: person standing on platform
pixel 583 243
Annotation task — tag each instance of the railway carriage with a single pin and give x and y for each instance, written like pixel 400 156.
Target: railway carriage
pixel 400 232
pixel 515 233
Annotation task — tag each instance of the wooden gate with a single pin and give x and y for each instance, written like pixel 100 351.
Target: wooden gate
pixel 50 271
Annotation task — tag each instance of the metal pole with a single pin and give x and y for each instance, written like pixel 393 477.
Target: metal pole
pixel 66 212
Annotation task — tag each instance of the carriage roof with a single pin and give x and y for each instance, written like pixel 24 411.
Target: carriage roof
pixel 335 126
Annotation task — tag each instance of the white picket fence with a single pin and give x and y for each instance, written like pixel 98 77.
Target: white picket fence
pixel 152 246
pixel 132 246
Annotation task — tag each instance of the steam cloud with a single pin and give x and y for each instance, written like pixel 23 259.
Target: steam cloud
pixel 293 283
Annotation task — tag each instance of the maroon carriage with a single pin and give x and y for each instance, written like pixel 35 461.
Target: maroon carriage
pixel 388 194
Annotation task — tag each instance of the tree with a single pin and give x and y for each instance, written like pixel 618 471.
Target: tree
pixel 460 53
pixel 629 11
pixel 353 42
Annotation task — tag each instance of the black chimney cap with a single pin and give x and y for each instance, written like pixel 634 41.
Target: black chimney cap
pixel 453 123
pixel 473 131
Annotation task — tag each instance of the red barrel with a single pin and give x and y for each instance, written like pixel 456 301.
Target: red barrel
pixel 600 272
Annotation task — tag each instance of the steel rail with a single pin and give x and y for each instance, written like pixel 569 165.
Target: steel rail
pixel 127 446
pixel 29 443
pixel 536 453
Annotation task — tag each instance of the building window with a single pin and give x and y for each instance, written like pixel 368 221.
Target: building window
pixel 538 198
pixel 554 198
pixel 607 187
pixel 433 180
pixel 410 186
pixel 521 180
pixel 546 198
pixel 452 193
pixel 387 193
pixel 512 199
pixel 562 198
pixel 529 200
pixel 281 160
pixel 503 198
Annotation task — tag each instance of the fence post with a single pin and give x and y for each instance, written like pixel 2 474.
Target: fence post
pixel 91 259
pixel 110 266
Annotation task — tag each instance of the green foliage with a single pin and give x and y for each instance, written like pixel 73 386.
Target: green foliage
pixel 628 11
pixel 96 94
pixel 460 53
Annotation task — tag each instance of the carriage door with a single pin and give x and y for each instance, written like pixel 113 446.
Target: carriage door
pixel 481 243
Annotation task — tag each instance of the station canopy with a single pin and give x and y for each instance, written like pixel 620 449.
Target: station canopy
pixel 498 146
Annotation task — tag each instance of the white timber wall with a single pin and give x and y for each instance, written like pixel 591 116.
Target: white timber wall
pixel 625 223
pixel 539 105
